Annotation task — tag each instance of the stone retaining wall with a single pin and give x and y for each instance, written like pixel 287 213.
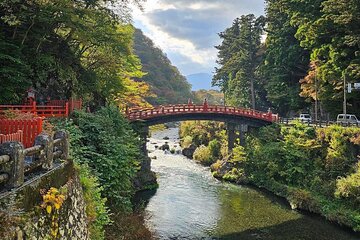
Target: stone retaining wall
pixel 22 217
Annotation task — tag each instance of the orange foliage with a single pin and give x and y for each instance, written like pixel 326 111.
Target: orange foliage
pixel 308 83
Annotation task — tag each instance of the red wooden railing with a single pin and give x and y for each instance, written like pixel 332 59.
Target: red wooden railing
pixel 30 129
pixel 18 137
pixel 134 114
pixel 53 108
pixel 74 104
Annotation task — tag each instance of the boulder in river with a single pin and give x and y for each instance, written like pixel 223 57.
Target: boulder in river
pixel 165 147
pixel 189 151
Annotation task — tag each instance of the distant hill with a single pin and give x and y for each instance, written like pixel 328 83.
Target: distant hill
pixel 165 79
pixel 214 97
pixel 200 81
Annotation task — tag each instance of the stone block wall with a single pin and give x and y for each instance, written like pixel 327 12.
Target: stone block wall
pixel 22 217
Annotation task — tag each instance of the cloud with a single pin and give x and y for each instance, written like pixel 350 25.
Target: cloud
pixel 189 28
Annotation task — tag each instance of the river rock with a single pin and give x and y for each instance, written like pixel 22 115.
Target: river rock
pixel 223 167
pixel 165 147
pixel 189 151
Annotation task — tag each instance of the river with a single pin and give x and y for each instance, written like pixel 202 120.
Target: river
pixel 191 204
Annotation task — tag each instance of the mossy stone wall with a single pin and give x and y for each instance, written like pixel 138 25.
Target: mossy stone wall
pixel 21 214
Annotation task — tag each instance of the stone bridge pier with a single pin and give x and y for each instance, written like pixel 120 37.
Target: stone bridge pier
pixel 236 134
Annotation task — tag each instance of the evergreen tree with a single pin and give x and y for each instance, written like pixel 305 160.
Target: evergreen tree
pixel 285 61
pixel 239 58
pixel 330 30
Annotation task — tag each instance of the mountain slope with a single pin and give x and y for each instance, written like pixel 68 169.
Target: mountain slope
pixel 164 78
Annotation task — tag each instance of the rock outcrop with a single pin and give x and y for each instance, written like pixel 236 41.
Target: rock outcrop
pixel 189 151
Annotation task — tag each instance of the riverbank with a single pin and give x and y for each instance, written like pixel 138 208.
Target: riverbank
pixel 191 204
pixel 315 170
pixel 107 152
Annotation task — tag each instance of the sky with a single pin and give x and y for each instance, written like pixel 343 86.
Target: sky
pixel 186 30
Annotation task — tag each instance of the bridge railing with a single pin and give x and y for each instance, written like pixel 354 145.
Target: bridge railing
pixel 17 162
pixel 145 113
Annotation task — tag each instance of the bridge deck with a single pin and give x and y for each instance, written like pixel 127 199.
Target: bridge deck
pixel 136 114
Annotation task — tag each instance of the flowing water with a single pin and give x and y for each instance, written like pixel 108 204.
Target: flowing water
pixel 191 204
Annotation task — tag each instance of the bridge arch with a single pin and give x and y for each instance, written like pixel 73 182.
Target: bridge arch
pixel 237 119
pixel 173 113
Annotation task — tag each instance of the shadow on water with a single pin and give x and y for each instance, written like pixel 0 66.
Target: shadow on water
pixel 141 199
pixel 297 229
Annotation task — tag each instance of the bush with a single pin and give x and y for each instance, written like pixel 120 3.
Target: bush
pixel 187 142
pixel 349 187
pixel 203 155
pixel 239 154
pixel 96 211
pixel 234 175
pixel 214 147
pixel 107 144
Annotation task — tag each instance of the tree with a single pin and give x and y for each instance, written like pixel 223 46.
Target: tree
pixel 239 56
pixel 72 48
pixel 286 62
pixel 330 31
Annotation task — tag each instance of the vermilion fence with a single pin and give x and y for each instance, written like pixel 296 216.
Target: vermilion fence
pixel 53 108
pixel 74 104
pixel 18 136
pixel 30 128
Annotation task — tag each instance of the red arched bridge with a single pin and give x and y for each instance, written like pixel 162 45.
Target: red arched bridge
pixel 171 113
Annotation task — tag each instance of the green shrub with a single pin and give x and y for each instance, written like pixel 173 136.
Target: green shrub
pixel 214 147
pixel 203 155
pixel 96 211
pixel 303 199
pixel 239 154
pixel 349 187
pixel 234 175
pixel 107 144
pixel 187 142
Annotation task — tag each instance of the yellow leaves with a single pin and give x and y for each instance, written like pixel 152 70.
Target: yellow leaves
pixel 53 199
pixel 135 94
pixel 57 206
pixel 48 209
pixel 52 202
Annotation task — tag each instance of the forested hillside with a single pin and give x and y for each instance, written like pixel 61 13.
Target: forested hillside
pixel 68 48
pixel 165 79
pixel 311 48
pixel 81 49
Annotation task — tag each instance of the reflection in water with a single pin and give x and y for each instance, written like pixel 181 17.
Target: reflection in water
pixel 191 204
